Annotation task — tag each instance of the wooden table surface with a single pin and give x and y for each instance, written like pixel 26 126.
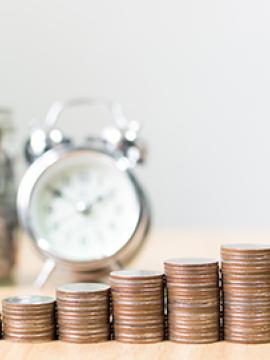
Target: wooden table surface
pixel 160 245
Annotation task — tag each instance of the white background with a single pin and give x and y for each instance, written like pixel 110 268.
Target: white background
pixel 196 73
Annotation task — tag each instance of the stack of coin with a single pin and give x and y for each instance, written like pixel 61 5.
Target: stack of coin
pixel 193 300
pixel 138 306
pixel 246 292
pixel 29 318
pixel 165 311
pixel 83 312
pixel 221 313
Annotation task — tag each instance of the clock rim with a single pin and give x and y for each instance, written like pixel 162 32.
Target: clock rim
pixel 38 168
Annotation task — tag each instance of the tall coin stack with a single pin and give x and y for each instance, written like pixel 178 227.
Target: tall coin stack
pixel 83 311
pixel 29 318
pixel 246 293
pixel 193 300
pixel 138 306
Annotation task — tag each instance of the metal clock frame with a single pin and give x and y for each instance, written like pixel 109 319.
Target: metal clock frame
pixel 25 192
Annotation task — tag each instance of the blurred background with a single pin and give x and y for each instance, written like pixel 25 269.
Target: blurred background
pixel 195 73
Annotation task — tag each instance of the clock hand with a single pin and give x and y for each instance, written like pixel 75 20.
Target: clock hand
pixel 87 209
pixel 60 194
pixel 56 192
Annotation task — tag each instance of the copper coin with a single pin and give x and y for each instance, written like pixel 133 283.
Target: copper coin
pixel 27 335
pixel 139 322
pixel 83 339
pixel 87 319
pixel 137 298
pixel 192 341
pixel 79 325
pixel 89 331
pixel 140 335
pixel 193 301
pixel 29 317
pixel 241 340
pixel 30 339
pixel 28 330
pixel 130 340
pixel 194 336
pixel 192 316
pixel 145 317
pixel 24 323
pixel 93 300
pixel 97 308
pixel 23 310
pixel 199 292
pixel 140 313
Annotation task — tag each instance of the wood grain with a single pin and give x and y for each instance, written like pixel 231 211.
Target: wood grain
pixel 58 350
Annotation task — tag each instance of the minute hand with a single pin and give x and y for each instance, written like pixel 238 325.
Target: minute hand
pixel 88 208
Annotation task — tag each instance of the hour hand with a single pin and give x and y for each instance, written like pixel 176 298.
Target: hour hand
pixel 58 193
pixel 88 207
pixel 55 192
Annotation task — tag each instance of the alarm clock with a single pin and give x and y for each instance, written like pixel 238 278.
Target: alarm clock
pixel 82 205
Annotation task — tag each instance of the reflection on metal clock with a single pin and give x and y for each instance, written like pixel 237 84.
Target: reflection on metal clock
pixel 82 205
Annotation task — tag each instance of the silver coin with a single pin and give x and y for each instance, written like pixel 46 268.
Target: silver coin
pixel 83 287
pixel 191 261
pixel 29 300
pixel 246 247
pixel 136 273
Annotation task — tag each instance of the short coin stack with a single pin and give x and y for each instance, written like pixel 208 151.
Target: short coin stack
pixel 246 292
pixel 29 318
pixel 83 311
pixel 193 300
pixel 138 306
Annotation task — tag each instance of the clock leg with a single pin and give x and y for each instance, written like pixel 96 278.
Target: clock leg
pixel 46 271
pixel 117 265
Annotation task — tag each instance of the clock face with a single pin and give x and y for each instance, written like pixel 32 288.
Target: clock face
pixel 83 208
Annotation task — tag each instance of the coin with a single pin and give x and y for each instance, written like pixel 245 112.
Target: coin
pixel 83 311
pixel 28 300
pixel 138 306
pixel 246 292
pixel 29 318
pixel 193 300
pixel 83 289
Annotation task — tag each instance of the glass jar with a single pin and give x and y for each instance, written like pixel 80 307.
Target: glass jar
pixel 8 219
